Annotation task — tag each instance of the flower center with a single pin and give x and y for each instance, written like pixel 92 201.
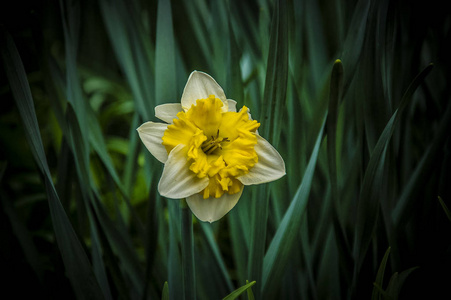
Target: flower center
pixel 219 145
pixel 209 146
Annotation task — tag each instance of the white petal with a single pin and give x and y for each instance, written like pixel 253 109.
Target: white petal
pixel 212 209
pixel 168 112
pixel 231 105
pixel 177 180
pixel 270 165
pixel 151 135
pixel 200 85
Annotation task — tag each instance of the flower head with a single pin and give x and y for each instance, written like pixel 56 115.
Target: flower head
pixel 209 150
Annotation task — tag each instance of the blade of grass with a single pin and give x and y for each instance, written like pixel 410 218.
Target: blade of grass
pixel 133 51
pixel 353 44
pixel 336 82
pixel 152 230
pixel 380 276
pixel 368 206
pixel 250 294
pixel 239 245
pixel 445 208
pixel 165 293
pixel 77 264
pixel 122 246
pixel 119 239
pixel 165 74
pixel 189 274
pixel 175 271
pixel 110 260
pixel 239 291
pixel 396 282
pixel 277 256
pixel 271 115
pixel 206 228
pixel 400 213
pixel 23 236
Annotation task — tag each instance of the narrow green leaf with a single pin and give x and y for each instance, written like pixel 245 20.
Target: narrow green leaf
pixel 152 230
pixel 240 247
pixel 97 141
pixel 206 228
pixel 110 260
pixel 353 44
pixel 234 80
pixel 165 293
pixel 175 271
pixel 131 162
pixel 250 294
pixel 271 118
pixel 133 51
pixel 277 256
pixel 189 274
pixel 336 87
pixel 274 97
pixel 165 74
pixel 381 291
pixel 239 291
pixel 380 276
pixel 397 281
pixel 336 82
pixel 75 259
pixel 97 260
pixel 22 234
pixel 122 245
pixel 406 202
pixel 445 208
pixel 368 206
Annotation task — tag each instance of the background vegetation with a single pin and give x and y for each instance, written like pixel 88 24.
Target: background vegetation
pixel 361 213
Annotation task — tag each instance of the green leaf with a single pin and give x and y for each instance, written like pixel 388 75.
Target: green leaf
pixel 353 44
pixel 277 256
pixel 445 208
pixel 406 203
pixel 336 84
pixel 368 206
pixel 250 294
pixel 271 118
pixel 165 293
pixel 175 271
pixel 239 291
pixel 206 228
pixel 274 97
pixel 77 264
pixel 189 274
pixel 381 291
pixel 20 231
pixel 397 281
pixel 133 51
pixel 165 73
pixel 122 245
pixel 380 276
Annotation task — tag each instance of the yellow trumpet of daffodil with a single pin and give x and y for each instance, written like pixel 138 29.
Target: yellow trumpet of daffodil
pixel 209 150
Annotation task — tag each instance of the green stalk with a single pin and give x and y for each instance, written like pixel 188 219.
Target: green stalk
pixel 272 112
pixel 189 279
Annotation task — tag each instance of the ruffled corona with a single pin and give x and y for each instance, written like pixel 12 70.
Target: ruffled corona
pixel 219 145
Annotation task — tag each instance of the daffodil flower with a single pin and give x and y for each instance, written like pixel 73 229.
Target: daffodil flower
pixel 209 150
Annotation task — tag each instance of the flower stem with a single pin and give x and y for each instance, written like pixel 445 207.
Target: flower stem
pixel 189 279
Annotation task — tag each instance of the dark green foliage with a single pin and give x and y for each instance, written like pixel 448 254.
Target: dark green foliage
pixel 355 95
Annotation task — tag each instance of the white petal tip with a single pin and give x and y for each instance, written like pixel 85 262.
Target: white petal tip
pixel 212 209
